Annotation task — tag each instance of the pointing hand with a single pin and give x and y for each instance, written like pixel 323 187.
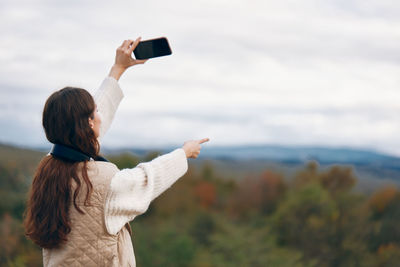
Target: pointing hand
pixel 192 148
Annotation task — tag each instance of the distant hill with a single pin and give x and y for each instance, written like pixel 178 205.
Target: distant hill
pixel 290 155
pixel 370 166
pixel 26 158
pixel 301 154
pixel 372 163
pixel 237 161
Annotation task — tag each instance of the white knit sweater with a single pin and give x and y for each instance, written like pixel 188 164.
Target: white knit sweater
pixel 132 190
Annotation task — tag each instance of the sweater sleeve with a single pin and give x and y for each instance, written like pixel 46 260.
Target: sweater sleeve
pixel 132 190
pixel 107 98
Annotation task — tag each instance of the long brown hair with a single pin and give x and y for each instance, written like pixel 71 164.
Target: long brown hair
pixel 66 122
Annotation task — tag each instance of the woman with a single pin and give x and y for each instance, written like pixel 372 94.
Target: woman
pixel 80 205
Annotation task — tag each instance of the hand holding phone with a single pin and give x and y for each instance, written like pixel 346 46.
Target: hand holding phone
pixel 157 47
pixel 123 58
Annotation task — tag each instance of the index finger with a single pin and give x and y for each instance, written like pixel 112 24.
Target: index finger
pixel 135 43
pixel 204 140
pixel 126 44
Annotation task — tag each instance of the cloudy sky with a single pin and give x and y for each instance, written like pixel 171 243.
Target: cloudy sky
pixel 242 72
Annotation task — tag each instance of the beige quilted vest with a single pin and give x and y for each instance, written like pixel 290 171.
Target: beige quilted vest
pixel 88 243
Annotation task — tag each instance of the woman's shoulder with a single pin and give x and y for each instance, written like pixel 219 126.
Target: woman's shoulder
pixel 101 170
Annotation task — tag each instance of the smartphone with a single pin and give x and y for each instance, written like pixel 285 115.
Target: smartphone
pixel 157 47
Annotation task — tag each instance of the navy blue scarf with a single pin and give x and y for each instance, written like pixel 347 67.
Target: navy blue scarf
pixel 70 154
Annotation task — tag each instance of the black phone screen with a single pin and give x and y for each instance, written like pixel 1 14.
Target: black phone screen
pixel 152 48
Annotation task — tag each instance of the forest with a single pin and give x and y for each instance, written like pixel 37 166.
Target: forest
pixel 313 217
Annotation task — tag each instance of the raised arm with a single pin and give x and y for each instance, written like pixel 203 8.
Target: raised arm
pixel 109 94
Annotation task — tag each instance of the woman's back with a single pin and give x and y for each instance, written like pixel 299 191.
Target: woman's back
pixel 89 243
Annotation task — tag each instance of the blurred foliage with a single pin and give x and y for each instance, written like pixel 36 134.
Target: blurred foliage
pixel 125 160
pixel 313 219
